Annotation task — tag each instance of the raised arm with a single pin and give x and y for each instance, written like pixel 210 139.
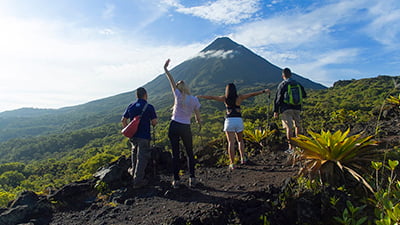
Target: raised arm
pixel 216 98
pixel 246 96
pixel 169 76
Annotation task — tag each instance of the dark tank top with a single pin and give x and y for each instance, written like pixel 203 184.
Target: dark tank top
pixel 232 110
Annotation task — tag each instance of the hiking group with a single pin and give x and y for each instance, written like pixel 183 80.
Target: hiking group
pixel 287 102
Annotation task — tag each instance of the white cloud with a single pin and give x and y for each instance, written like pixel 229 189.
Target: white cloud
pixel 385 27
pixel 150 12
pixel 315 66
pixel 310 40
pixel 108 12
pixel 53 64
pixel 336 57
pixel 173 3
pixel 221 11
pixel 216 54
pixel 57 62
pixel 296 28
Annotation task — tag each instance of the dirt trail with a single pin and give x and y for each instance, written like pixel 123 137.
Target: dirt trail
pixel 221 197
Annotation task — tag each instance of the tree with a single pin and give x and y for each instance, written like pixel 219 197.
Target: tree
pixel 95 162
pixel 11 178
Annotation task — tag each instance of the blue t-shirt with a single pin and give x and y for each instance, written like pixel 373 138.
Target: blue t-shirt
pixel 149 114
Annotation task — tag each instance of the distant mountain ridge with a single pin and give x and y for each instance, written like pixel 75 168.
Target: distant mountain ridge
pixel 223 61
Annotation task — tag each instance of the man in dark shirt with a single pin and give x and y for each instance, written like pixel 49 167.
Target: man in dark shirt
pixel 141 152
pixel 290 112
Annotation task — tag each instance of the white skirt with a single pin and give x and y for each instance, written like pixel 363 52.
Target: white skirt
pixel 233 124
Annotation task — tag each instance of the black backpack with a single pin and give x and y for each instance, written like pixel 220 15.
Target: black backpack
pixel 293 94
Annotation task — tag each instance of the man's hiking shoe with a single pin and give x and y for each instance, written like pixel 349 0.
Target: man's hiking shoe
pixel 131 171
pixel 176 184
pixel 289 151
pixel 140 184
pixel 192 182
pixel 231 167
pixel 243 160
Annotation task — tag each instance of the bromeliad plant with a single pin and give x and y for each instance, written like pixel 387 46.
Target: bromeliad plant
pixel 328 154
pixel 394 101
pixel 258 135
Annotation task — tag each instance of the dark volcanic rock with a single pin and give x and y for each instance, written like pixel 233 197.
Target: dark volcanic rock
pixel 28 207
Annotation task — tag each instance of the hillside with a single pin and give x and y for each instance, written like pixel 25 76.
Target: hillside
pixel 347 103
pixel 350 100
pixel 252 194
pixel 221 62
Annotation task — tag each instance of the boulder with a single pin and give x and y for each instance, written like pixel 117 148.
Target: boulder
pixel 116 174
pixel 27 207
pixel 75 196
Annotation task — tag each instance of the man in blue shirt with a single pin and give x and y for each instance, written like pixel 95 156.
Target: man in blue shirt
pixel 291 120
pixel 141 152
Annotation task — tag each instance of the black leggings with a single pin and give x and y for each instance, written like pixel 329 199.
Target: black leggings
pixel 176 132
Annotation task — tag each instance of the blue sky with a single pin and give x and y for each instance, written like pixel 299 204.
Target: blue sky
pixel 61 53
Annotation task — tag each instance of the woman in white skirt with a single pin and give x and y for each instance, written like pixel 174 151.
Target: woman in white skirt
pixel 233 125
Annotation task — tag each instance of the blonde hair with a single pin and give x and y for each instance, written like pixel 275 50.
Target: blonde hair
pixel 183 88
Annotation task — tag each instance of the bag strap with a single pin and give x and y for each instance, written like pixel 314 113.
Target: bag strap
pixel 144 109
pixel 153 132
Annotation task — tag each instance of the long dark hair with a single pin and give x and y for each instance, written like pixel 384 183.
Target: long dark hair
pixel 230 94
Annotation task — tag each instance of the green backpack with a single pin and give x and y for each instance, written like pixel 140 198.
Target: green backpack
pixel 293 95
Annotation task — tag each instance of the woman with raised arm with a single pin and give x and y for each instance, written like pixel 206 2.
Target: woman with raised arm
pixel 233 125
pixel 179 129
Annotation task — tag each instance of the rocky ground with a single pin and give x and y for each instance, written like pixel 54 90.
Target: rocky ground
pixel 221 197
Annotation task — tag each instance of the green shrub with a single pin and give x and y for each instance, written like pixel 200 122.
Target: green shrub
pixel 5 198
pixel 387 195
pixel 95 162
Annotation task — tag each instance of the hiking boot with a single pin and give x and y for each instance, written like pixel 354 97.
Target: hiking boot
pixel 192 182
pixel 140 184
pixel 176 184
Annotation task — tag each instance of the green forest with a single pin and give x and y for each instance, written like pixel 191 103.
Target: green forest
pixel 47 162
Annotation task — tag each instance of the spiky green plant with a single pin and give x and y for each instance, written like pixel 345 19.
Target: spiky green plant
pixel 258 135
pixel 326 153
pixel 393 100
pixel 344 116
